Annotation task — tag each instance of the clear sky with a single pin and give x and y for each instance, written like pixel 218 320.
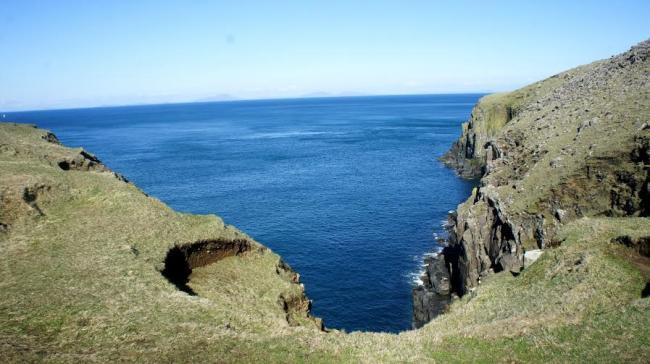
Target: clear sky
pixel 62 53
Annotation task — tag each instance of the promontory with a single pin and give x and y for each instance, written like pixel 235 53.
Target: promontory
pixel 547 261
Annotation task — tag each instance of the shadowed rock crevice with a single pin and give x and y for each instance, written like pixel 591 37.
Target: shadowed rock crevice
pixel 64 165
pixel 181 259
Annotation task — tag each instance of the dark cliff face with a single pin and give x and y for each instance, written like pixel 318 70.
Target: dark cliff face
pixel 434 295
pixel 574 145
pixel 469 153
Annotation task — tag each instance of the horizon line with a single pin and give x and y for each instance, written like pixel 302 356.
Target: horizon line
pixel 234 99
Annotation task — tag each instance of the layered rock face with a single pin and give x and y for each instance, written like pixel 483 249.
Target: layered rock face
pixel 467 155
pixel 573 145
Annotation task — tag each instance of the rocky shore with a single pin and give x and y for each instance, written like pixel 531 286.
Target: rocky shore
pixel 574 145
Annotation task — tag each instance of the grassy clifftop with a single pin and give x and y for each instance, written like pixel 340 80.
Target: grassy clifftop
pixel 85 254
pixel 491 114
pixel 575 145
pixel 94 270
pixel 82 280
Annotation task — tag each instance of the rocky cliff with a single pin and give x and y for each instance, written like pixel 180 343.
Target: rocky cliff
pixel 571 146
pixel 94 270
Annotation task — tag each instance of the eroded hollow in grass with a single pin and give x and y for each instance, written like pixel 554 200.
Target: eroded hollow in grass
pixel 640 244
pixel 181 259
pixel 641 260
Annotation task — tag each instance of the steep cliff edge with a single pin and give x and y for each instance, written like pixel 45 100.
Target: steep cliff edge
pixel 94 270
pixel 91 261
pixel 574 145
pixel 468 155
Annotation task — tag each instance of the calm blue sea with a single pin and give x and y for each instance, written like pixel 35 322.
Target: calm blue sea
pixel 347 190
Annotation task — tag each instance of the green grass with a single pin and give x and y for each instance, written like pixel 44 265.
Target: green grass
pixel 492 111
pixel 82 283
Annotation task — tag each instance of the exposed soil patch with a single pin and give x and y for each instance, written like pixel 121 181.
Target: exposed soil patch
pixel 181 259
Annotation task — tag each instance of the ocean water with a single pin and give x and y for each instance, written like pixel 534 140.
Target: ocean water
pixel 347 190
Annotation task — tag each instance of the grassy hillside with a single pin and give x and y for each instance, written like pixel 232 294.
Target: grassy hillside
pixel 468 155
pixel 81 280
pixel 574 145
pixel 94 270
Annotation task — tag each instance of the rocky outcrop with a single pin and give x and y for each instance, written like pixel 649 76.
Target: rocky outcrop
pixel 296 306
pixel 433 296
pixel 469 153
pixel 571 146
pixel 82 161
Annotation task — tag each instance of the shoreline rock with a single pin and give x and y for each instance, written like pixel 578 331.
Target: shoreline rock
pixel 567 147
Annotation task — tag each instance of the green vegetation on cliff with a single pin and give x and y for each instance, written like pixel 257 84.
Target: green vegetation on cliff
pixel 576 147
pixel 94 270
pixel 468 154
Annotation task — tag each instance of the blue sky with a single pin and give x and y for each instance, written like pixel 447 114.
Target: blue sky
pixel 56 54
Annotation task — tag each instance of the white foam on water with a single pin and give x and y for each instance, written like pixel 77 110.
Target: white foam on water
pixel 416 277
